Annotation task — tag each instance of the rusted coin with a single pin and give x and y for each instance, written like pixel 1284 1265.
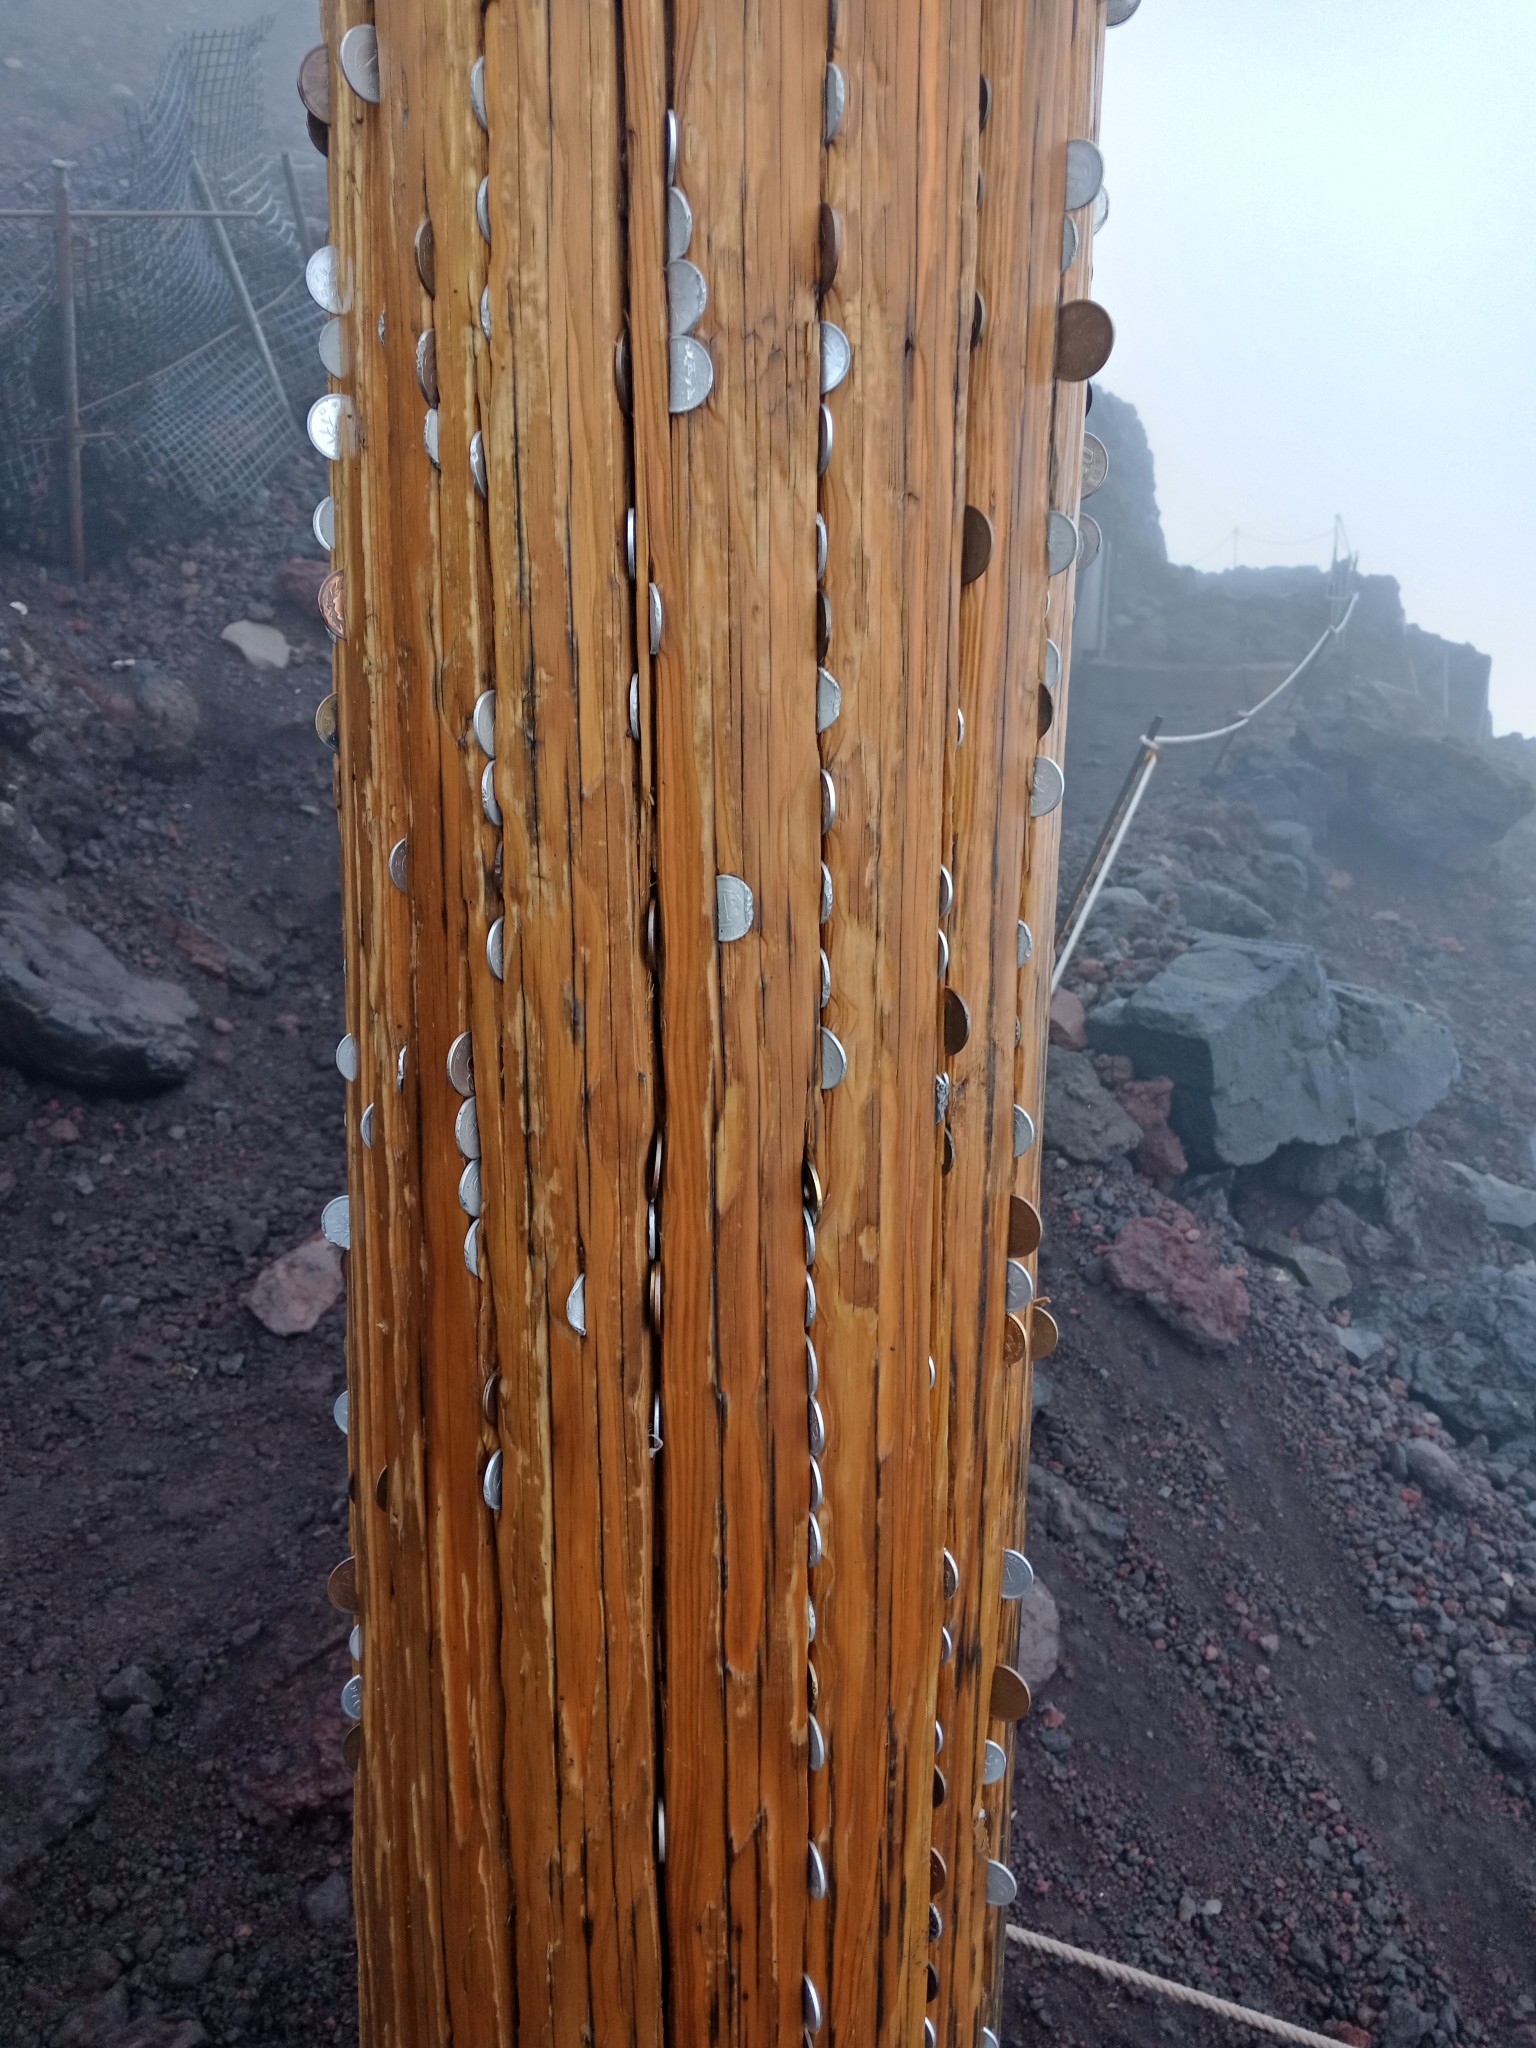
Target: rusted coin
pixel 426 258
pixel 1045 1332
pixel 341 1586
pixel 315 84
pixel 957 1021
pixel 1010 1700
pixel 1015 1341
pixel 975 544
pixel 333 605
pixel 938 1873
pixel 1023 1228
pixel 352 1746
pixel 829 247
pixel 1085 334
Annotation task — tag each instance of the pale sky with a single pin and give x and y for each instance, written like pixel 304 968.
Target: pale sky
pixel 1319 259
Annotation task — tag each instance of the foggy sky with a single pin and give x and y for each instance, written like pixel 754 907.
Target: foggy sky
pixel 1319 263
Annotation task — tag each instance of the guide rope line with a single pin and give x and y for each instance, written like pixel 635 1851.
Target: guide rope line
pixel 1220 732
pixel 1164 1987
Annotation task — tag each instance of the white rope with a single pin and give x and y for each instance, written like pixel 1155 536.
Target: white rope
pixel 1181 1994
pixel 1220 732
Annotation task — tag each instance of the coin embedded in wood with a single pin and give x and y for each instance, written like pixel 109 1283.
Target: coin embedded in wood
pixel 1010 1697
pixel 986 104
pixel 477 92
pixel 824 441
pixel 426 364
pixel 1046 788
pixel 823 624
pixel 381 1488
pixel 836 356
pixel 829 247
pixel 994 1763
pixel 341 1586
pixel 1045 1333
pixel 426 258
pixel 1085 335
pixel 1018 1575
pixel 358 56
pixel 1095 465
pixel 325 722
pixel 319 133
pixel 687 295
pixel 333 605
pixel 1024 1228
pixel 1015 1341
pixel 1020 1287
pixel 1052 664
pixel 1120 10
pixel 1061 542
pixel 352 1746
pixel 1069 240
pixel 431 437
pixel 315 84
pixel 323 524
pixel 938 1872
pixel 940 1786
pixel 1085 172
pixel 329 286
pixel 834 103
pixel 976 543
pixel 679 223
pixel 978 320
pixel 957 1021
pixel 1045 712
pixel 329 425
pixel 1090 540
pixel 1002 1885
pixel 461 1070
pixel 483 210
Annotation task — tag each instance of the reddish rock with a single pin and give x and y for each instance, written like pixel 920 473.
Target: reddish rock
pixel 1177 1272
pixel 300 578
pixel 1160 1156
pixel 1069 1021
pixel 294 1292
pixel 1146 1102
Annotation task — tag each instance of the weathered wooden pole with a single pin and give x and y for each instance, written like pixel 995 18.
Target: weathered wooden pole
pixel 69 364
pixel 704 494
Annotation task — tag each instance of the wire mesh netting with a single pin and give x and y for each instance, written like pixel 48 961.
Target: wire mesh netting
pixel 179 416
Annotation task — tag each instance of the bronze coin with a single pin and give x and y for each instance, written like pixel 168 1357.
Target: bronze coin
pixel 319 134
pixel 986 100
pixel 325 721
pixel 1010 1694
pixel 1045 1332
pixel 1045 712
pixel 426 365
pixel 315 84
pixel 1015 1341
pixel 933 1983
pixel 1023 1227
pixel 332 605
pixel 341 1586
pixel 381 1487
pixel 352 1746
pixel 975 544
pixel 823 624
pixel 812 1686
pixel 1085 334
pixel 947 1164
pixel 426 258
pixel 938 1873
pixel 978 320
pixel 829 247
pixel 957 1021
pixel 940 1786
pixel 490 1398
pixel 621 370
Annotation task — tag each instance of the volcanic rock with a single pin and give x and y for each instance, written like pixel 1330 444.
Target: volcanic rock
pixel 1082 1118
pixel 1213 907
pixel 1177 1271
pixel 1474 1361
pixel 1497 1695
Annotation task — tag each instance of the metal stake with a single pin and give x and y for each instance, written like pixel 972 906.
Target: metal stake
pixel 237 285
pixel 64 257
pixel 300 218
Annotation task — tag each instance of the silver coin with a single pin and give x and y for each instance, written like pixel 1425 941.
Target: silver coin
pixel 1002 1885
pixel 946 1646
pixel 656 1445
pixel 355 1643
pixel 816 1427
pixel 329 426
pixel 352 1698
pixel 470 1194
pixel 836 356
pixel 828 802
pixel 1018 1575
pixel 815 1745
pixel 946 891
pixel 834 1061
pixel 808 1232
pixel 994 1762
pixel 634 705
pixel 323 525
pixel 431 437
pixel 733 908
pixel 834 103
pixel 477 92
pixel 959 727
pixel 461 1065
pixel 336 1223
pixel 365 1127
pixel 397 860
pixel 1120 10
pixel 483 210
pixel 630 543
pixel 1092 540
pixel 400 1058
pixel 951 1585
pixel 823 441
pixel 346 1057
pixel 938 1738
pixel 335 355
pixel 943 955
pixel 466 1129
pixel 826 892
pixel 652 1233
pixel 1052 674
pixel 687 296
pixel 810 1301
pixel 1046 788
pixel 1085 173
pixel 485 312
pixel 339 1411
pixel 1060 543
pixel 829 699
pixel 426 364
pixel 671 151
pixel 690 373
pixel 816 1872
pixel 472 1248
pixel 679 223
pixel 329 286
pixel 1100 212
pixel 1021 1289
pixel 935 1924
pixel 488 802
pixel 576 1305
pixel 1026 943
pixel 1068 243
pixel 1095 466
pixel 812 1368
pixel 940 1097
pixel 814 1548
pixel 485 722
pixel 358 55
pixel 821 547
pixel 490 1483
pixel 657 617
pixel 477 461
pixel 816 1498
pixel 826 980
pixel 1023 1130
pixel 661 1832
pixel 495 948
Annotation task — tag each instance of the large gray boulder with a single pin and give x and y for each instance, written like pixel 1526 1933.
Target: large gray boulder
pixel 71 1011
pixel 1498 1697
pixel 1213 907
pixel 1469 1350
pixel 1263 1051
pixel 1082 1118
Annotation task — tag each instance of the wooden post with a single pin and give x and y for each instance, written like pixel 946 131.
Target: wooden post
pixel 69 364
pixel 237 284
pixel 707 431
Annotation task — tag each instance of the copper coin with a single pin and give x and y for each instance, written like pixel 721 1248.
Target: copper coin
pixel 978 320
pixel 957 1021
pixel 490 1398
pixel 352 1746
pixel 426 258
pixel 947 1164
pixel 315 84
pixel 823 624
pixel 986 102
pixel 938 1873
pixel 1010 1694
pixel 319 134
pixel 1023 1227
pixel 933 1975
pixel 333 605
pixel 829 247
pixel 341 1586
pixel 381 1487
pixel 1085 334
pixel 940 1786
pixel 1045 1333
pixel 975 544
pixel 1045 712
pixel 1015 1341
pixel 621 370
pixel 325 721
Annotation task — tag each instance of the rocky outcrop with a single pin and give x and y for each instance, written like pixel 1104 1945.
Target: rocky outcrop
pixel 1497 1695
pixel 1213 907
pixel 1509 1207
pixel 1177 1271
pixel 71 1011
pixel 1471 1350
pixel 1263 1051
pixel 1082 1118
